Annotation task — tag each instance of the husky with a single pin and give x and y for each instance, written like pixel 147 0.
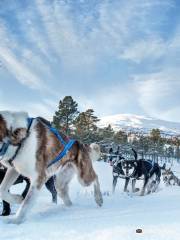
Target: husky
pixel 117 172
pixel 49 185
pixel 169 177
pixel 37 146
pixel 139 169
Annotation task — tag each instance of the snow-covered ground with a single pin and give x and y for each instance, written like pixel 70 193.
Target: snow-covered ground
pixel 157 214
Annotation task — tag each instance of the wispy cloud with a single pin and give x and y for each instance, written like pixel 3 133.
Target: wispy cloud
pixel 60 44
pixel 149 49
pixel 14 63
pixel 53 33
pixel 109 98
pixel 158 93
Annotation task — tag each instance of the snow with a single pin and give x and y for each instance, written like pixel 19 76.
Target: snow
pixel 141 123
pixel 156 214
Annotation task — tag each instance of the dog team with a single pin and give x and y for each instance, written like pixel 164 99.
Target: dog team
pixel 31 150
pixel 140 169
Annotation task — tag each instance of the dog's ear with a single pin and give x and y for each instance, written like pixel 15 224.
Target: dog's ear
pixel 163 167
pixel 18 135
pixel 135 163
pixel 121 157
pixel 3 128
pixel 95 152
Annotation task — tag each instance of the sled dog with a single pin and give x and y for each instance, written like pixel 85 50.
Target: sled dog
pixel 37 146
pixel 136 169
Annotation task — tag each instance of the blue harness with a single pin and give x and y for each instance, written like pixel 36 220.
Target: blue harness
pixel 4 148
pixel 67 145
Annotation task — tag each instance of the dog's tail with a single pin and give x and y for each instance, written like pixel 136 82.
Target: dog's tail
pixel 91 151
pixel 95 152
pixel 135 153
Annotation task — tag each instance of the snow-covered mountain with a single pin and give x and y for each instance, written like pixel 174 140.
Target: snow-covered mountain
pixel 137 123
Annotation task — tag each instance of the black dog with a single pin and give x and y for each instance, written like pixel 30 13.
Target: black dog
pixel 137 169
pixel 49 185
pixel 118 172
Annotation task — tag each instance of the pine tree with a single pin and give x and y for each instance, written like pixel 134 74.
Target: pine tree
pixel 86 126
pixel 157 141
pixel 176 142
pixel 120 137
pixel 65 115
pixel 155 135
pixel 108 133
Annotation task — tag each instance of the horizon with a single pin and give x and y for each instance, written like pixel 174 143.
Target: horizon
pixel 142 116
pixel 114 56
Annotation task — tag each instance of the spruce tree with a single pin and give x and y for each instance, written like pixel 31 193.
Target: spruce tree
pixel 65 115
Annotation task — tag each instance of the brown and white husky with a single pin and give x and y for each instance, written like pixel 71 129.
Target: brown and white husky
pixel 38 147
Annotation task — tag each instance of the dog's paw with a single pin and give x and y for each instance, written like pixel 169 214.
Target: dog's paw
pixel 99 199
pixel 68 203
pixel 18 198
pixel 12 220
pixel 137 190
pixel 142 194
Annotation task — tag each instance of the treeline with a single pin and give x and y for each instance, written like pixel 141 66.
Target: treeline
pixel 155 143
pixel 84 127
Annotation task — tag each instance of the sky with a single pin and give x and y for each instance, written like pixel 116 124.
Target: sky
pixel 115 56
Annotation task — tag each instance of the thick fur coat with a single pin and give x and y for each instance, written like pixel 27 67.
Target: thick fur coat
pixel 38 147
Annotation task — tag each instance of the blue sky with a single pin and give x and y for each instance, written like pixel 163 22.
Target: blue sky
pixel 115 56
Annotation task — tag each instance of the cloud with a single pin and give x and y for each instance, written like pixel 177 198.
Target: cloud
pixel 44 108
pixel 56 33
pixel 158 93
pixel 3 104
pixel 19 70
pixel 62 44
pixel 16 64
pixel 106 101
pixel 40 109
pixel 151 49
